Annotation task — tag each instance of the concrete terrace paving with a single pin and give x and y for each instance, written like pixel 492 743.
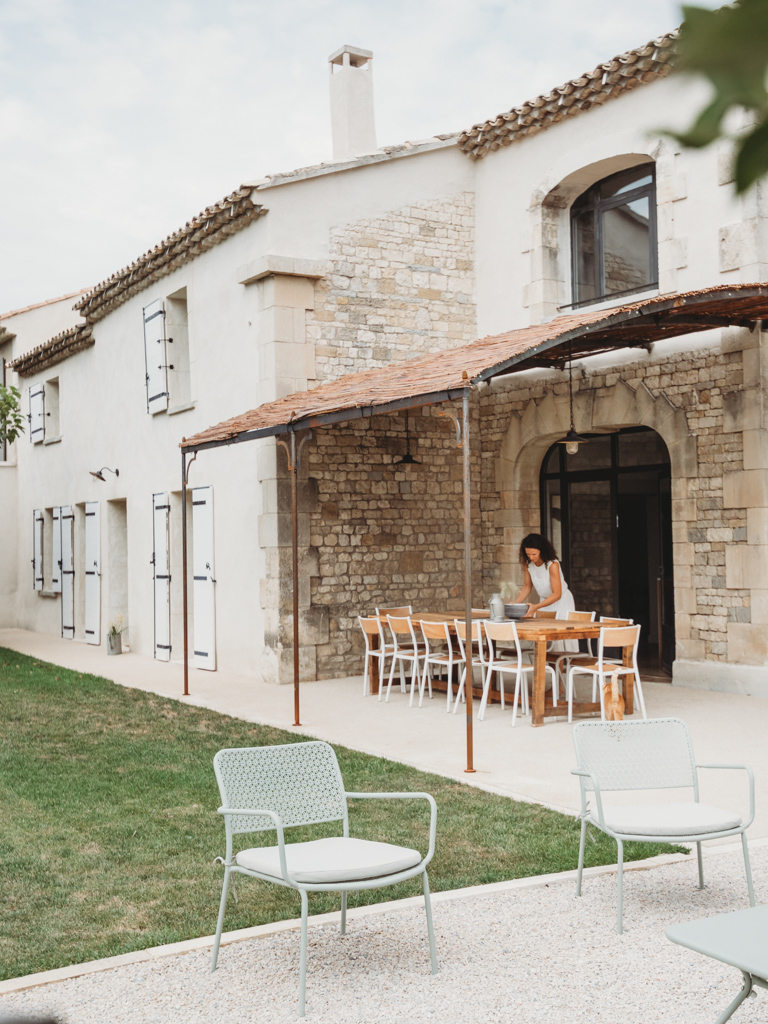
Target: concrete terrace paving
pixel 530 953
pixel 524 763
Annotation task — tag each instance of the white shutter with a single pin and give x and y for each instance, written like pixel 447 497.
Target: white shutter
pixel 56 553
pixel 204 635
pixel 37 549
pixel 92 573
pixel 67 573
pixel 154 351
pixel 162 563
pixel 37 413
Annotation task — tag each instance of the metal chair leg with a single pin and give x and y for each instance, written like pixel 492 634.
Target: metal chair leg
pixel 582 841
pixel 748 869
pixel 701 865
pixel 619 912
pixel 220 922
pixel 344 912
pixel 303 957
pixel 430 929
pixel 745 991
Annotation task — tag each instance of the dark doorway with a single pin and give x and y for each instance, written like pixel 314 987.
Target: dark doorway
pixel 608 511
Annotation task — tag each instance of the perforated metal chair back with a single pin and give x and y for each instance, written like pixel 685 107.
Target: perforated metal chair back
pixel 301 782
pixel 655 753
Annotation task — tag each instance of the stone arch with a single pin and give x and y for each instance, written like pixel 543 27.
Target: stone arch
pixel 531 434
pixel 551 230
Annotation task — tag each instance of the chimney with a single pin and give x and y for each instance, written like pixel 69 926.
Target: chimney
pixel 352 125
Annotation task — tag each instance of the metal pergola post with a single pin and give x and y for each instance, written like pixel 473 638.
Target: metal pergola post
pixel 468 576
pixel 184 600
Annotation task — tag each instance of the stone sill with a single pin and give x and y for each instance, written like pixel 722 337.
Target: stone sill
pixel 176 409
pixel 52 440
pixel 48 593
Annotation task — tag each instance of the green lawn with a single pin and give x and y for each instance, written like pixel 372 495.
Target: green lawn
pixel 109 822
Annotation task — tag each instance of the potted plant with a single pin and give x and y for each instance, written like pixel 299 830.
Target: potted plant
pixel 114 636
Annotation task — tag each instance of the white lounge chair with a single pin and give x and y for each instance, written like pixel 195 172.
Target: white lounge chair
pixel 655 753
pixel 265 788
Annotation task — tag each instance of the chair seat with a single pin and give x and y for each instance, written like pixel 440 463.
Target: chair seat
pixel 337 859
pixel 683 819
pixel 609 667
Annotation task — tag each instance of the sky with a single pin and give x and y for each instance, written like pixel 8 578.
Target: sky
pixel 119 121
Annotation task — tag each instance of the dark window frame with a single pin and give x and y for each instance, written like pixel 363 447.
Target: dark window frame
pixel 591 200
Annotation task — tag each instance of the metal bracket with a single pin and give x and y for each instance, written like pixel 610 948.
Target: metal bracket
pixel 186 467
pixel 291 449
pixel 446 412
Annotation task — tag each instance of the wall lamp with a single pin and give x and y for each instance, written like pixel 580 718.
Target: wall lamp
pixel 100 474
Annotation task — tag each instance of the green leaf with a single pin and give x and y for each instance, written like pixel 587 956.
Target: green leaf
pixel 752 157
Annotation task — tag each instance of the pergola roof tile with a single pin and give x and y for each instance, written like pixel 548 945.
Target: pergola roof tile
pixel 440 376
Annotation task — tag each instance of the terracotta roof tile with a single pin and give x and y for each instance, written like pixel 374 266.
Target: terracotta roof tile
pixel 625 72
pixel 209 228
pixel 583 333
pixel 53 351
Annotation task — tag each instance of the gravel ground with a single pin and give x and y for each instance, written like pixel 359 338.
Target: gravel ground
pixel 533 955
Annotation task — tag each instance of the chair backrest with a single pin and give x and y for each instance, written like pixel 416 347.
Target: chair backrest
pixel 655 753
pixel 301 782
pixel 404 609
pixel 506 632
pixel 435 630
pixel 371 626
pixel 544 613
pixel 460 626
pixel 618 636
pixel 581 616
pixel 607 620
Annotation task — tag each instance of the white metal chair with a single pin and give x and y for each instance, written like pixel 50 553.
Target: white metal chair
pixel 474 662
pixel 585 659
pixel 406 650
pixel 562 662
pixel 652 754
pixel 506 633
pixel 265 788
pixel 444 656
pixel 372 627
pixel 601 667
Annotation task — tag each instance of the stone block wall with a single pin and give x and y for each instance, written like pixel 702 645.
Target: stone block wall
pixel 686 397
pixel 382 534
pixel 397 286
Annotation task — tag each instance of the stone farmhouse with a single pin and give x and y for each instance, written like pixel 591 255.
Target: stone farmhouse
pixel 575 199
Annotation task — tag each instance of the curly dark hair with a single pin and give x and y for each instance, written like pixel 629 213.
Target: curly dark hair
pixel 535 540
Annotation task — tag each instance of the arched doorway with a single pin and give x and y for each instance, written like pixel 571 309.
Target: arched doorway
pixel 608 510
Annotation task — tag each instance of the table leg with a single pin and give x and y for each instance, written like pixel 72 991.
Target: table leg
pixel 539 681
pixel 374 682
pixel 629 683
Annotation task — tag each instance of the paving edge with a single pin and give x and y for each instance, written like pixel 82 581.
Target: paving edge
pixel 392 906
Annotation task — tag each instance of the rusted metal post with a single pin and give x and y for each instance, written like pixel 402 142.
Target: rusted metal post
pixel 185 610
pixel 468 577
pixel 294 469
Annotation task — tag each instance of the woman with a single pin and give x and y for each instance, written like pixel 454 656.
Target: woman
pixel 542 571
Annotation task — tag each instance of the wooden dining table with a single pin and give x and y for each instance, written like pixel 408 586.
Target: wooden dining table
pixel 539 632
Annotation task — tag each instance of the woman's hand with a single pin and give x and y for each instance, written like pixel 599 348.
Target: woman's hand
pixel 532 609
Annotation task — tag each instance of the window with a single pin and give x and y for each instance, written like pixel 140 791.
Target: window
pixel 36 413
pixel 177 330
pixel 52 421
pixel 613 236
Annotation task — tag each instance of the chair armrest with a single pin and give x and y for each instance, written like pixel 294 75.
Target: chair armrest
pixel 251 811
pixel 408 796
pixel 751 777
pixel 584 774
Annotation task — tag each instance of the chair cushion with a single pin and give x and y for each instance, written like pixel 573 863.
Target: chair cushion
pixel 331 860
pixel 683 819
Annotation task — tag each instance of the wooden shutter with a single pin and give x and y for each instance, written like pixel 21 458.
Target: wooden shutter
pixel 37 549
pixel 154 352
pixel 37 413
pixel 67 572
pixel 56 553
pixel 202 569
pixel 92 573
pixel 162 565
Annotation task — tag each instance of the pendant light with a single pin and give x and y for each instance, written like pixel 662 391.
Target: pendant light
pixel 572 440
pixel 407 459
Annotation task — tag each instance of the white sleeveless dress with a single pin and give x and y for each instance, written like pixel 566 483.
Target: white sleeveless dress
pixel 543 587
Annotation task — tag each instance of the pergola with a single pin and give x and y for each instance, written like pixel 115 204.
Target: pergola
pixel 449 376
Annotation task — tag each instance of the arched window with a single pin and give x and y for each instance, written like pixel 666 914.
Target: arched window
pixel 613 236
